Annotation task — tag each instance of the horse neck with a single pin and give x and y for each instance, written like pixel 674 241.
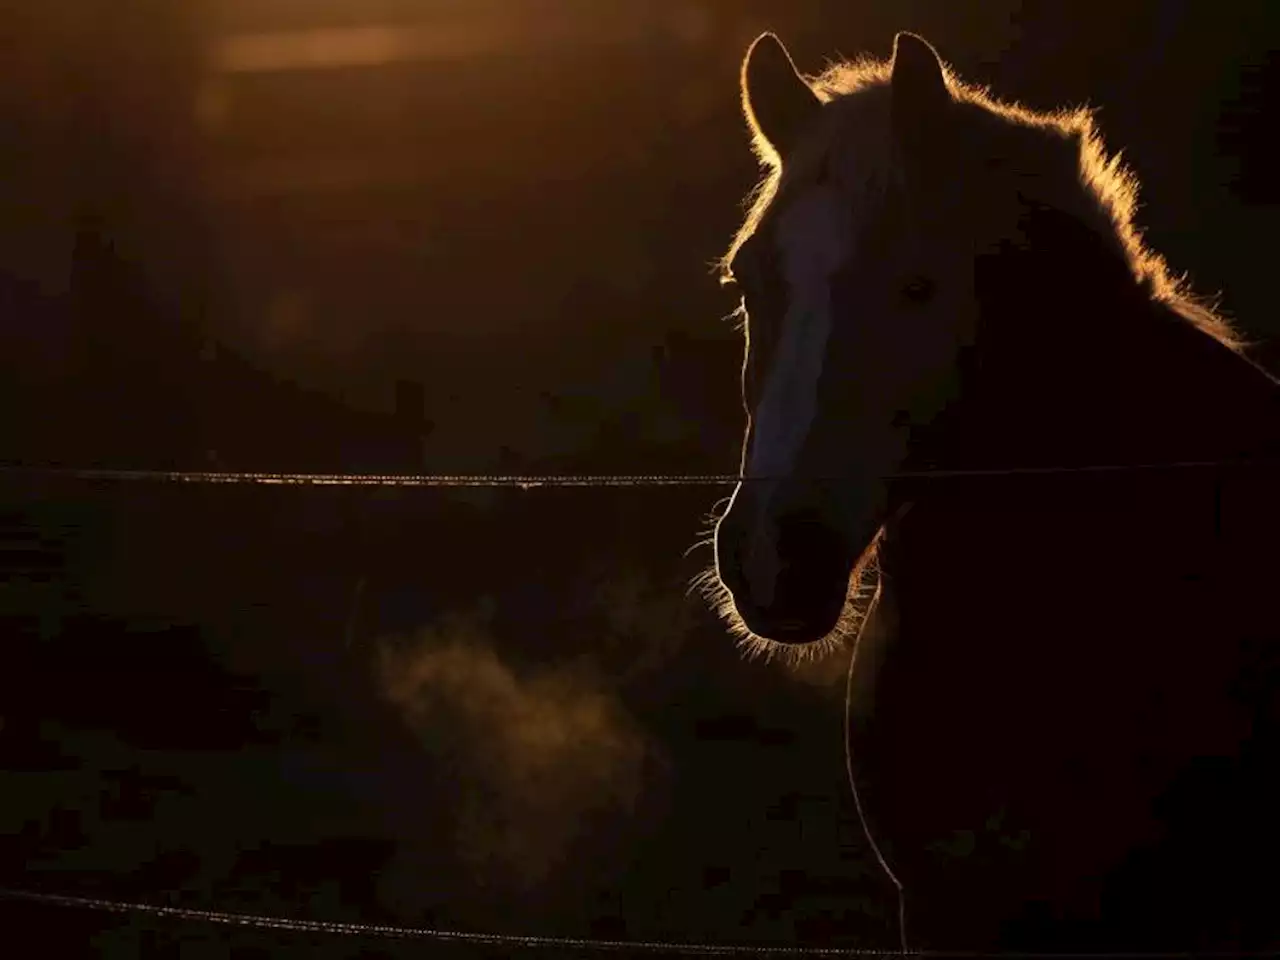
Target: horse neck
pixel 1097 371
pixel 1131 383
pixel 1159 388
pixel 1097 375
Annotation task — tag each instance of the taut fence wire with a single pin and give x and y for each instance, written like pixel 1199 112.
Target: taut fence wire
pixel 533 481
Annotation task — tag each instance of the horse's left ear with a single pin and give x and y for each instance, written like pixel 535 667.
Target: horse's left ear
pixel 918 87
pixel 777 101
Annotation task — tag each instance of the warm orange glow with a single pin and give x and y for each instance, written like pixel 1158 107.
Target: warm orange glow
pixel 442 38
pixel 367 46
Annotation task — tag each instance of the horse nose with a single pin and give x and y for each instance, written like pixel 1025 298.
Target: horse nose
pixel 809 538
pixel 812 574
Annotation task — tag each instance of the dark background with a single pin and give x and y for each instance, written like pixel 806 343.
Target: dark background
pixel 454 236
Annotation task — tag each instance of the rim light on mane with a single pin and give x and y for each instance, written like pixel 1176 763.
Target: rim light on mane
pixel 1101 178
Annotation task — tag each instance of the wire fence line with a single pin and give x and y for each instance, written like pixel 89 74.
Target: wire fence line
pixel 247 478
pixel 532 481
pixel 267 922
pixel 427 934
pixel 525 482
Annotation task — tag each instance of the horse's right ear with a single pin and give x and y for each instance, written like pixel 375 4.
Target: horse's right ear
pixel 918 86
pixel 777 101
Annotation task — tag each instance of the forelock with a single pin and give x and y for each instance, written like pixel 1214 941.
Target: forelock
pixel 851 147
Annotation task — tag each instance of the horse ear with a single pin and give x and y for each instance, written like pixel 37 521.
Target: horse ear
pixel 777 101
pixel 918 87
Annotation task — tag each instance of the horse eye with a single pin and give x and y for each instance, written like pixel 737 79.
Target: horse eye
pixel 918 289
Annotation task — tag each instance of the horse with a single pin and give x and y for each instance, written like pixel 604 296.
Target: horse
pixel 983 411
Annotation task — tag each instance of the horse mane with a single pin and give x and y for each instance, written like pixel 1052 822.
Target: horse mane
pixel 858 91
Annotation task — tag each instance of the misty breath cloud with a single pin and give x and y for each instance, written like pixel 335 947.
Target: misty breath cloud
pixel 538 756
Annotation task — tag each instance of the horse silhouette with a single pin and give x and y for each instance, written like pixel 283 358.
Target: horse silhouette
pixel 975 393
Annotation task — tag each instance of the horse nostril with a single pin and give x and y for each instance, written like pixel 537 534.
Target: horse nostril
pixel 807 537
